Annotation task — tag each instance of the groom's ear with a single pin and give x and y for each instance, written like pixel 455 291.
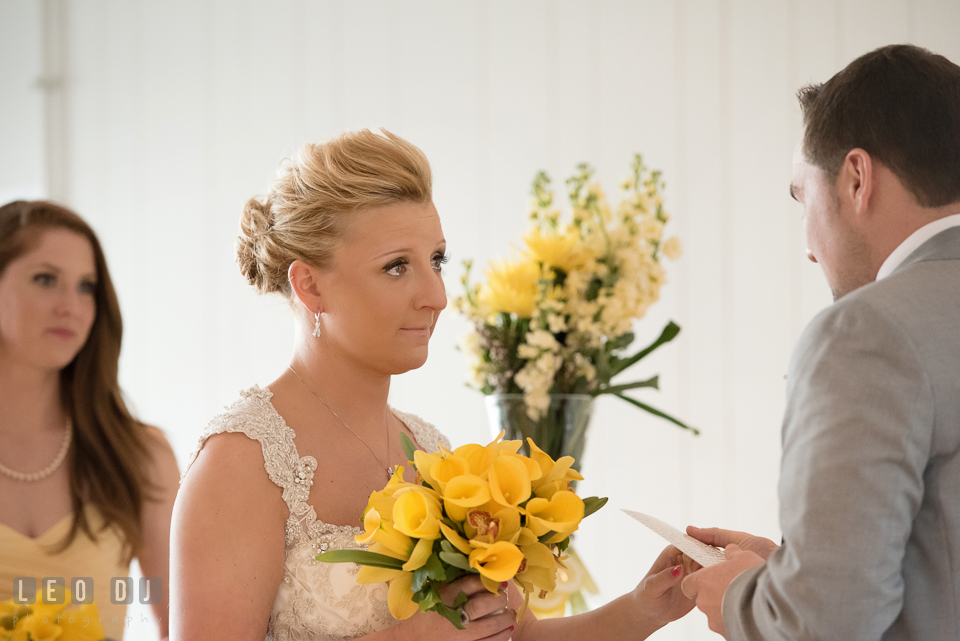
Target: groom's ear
pixel 304 282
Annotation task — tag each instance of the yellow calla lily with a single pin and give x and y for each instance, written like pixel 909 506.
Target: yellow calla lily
pixel 371 523
pixel 38 630
pixel 400 597
pixel 466 490
pixel 448 467
pixel 369 575
pixel 417 514
pixel 561 513
pixel 498 563
pixel 385 534
pixel 509 481
pixel 477 456
pixel 85 626
pixel 425 463
pixel 419 556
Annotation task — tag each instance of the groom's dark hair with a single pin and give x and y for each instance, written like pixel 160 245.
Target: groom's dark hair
pixel 900 104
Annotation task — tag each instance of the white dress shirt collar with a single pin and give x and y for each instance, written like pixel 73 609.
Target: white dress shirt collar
pixel 914 241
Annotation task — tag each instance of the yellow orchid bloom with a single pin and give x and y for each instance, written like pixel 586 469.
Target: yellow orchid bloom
pixel 497 563
pixel 539 566
pixel 400 597
pixel 454 537
pixel 509 481
pixel 417 513
pixel 485 527
pixel 561 513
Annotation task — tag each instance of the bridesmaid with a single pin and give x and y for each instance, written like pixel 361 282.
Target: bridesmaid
pixel 84 486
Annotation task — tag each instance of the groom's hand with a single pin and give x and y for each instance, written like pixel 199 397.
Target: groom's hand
pixel 708 585
pixel 719 538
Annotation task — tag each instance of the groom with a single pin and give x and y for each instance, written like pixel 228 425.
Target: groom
pixel 870 474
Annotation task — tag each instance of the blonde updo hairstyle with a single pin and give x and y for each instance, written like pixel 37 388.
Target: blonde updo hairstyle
pixel 304 214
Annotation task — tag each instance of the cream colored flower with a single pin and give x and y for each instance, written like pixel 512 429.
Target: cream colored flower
pixel 672 249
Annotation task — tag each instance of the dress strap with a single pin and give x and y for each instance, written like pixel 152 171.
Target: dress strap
pixel 254 416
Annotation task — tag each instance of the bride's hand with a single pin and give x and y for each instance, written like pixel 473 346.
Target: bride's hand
pixel 659 599
pixel 490 618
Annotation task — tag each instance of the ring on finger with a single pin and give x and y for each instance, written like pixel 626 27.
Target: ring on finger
pixel 464 617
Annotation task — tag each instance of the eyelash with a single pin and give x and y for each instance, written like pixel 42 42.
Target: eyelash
pixel 48 280
pixel 440 259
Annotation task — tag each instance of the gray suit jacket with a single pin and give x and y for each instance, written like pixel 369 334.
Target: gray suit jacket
pixel 870 475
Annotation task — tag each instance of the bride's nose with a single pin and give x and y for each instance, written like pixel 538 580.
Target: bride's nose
pixel 431 293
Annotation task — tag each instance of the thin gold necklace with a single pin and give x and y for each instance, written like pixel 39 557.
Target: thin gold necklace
pixel 390 469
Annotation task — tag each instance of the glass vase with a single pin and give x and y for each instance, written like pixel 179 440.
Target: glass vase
pixel 560 431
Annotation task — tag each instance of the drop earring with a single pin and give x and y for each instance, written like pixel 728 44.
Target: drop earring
pixel 316 327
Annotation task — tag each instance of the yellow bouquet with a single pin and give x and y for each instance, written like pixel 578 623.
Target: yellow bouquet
pixel 41 621
pixel 483 510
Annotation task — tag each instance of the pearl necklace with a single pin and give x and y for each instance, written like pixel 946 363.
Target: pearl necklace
pixel 30 477
pixel 390 469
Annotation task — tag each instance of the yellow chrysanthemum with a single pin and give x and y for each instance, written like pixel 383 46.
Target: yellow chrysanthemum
pixel 555 250
pixel 512 287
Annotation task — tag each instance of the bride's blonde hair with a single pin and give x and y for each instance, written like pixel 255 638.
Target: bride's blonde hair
pixel 303 215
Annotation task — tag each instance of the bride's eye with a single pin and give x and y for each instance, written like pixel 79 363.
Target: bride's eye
pixel 397 267
pixel 439 260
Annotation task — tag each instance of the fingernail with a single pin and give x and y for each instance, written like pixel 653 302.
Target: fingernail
pixel 504 584
pixel 676 570
pixel 511 628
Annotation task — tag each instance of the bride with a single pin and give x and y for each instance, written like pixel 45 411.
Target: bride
pixel 348 233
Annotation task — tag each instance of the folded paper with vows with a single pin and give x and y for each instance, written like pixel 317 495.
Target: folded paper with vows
pixel 705 555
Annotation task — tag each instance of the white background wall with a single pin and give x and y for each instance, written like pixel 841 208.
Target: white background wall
pixel 175 112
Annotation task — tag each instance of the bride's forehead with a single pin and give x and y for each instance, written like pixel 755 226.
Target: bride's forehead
pixel 411 222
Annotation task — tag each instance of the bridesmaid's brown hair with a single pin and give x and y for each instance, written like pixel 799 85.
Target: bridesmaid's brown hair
pixel 107 460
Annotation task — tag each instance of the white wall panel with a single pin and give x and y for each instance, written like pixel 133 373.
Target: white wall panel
pixel 177 112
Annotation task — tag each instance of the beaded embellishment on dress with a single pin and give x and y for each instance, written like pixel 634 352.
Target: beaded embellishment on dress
pixel 315 601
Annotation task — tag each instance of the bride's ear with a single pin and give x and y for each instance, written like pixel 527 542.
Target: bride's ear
pixel 304 283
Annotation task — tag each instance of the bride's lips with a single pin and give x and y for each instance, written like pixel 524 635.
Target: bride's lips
pixel 416 331
pixel 62 332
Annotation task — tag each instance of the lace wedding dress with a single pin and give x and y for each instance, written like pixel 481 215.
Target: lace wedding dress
pixel 316 601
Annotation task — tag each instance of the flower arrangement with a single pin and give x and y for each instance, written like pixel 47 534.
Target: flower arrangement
pixel 483 510
pixel 558 318
pixel 42 621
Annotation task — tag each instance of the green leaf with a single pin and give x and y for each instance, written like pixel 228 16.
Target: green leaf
pixel 546 537
pixel 457 560
pixel 616 389
pixel 461 599
pixel 361 557
pixel 657 412
pixel 668 334
pixel 408 447
pixel 563 545
pixel 434 568
pixel 419 579
pixel 593 503
pixel 450 614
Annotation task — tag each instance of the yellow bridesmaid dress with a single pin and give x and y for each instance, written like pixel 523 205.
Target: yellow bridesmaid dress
pixel 21 556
